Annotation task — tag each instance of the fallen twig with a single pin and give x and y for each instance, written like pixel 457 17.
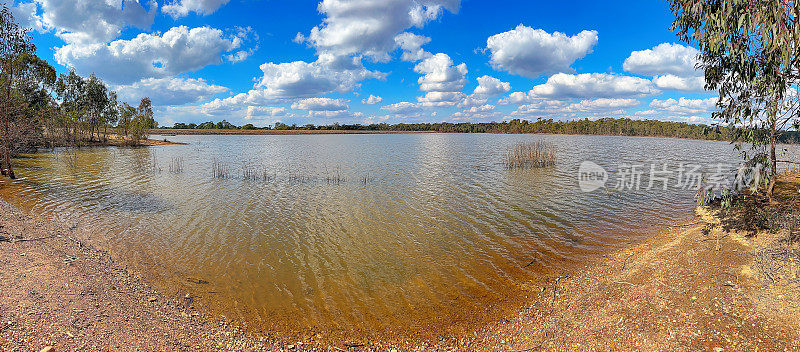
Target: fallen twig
pixel 34 239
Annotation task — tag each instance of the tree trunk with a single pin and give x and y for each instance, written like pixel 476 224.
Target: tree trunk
pixel 773 162
pixel 7 130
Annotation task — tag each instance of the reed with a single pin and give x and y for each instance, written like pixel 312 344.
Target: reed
pixel 176 165
pixel 334 177
pixel 219 169
pixel 531 155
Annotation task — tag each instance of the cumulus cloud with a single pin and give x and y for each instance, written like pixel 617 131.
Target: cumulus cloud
pixel 178 50
pixel 686 84
pixel 491 86
pixel 482 112
pixel 403 107
pixel 357 27
pixel 440 75
pixel 593 85
pixel 182 8
pixel 372 100
pixel 411 45
pixel 672 59
pixel 264 112
pixel 321 104
pixel 25 15
pixel 673 67
pixel 169 91
pixel 94 21
pixel 601 105
pixel 533 52
pixel 440 99
pixel 488 87
pixel 304 79
pixel 681 107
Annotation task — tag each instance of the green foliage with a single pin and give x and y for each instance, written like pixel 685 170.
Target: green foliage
pixel 750 54
pixel 611 127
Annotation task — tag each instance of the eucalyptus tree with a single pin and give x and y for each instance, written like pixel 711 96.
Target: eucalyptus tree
pixel 749 52
pixel 110 113
pixel 70 90
pixel 15 47
pixel 96 103
pixel 126 115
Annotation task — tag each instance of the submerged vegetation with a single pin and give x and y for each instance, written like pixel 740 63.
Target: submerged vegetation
pixel 531 155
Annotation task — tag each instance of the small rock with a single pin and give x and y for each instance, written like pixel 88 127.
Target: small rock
pixel 153 299
pixel 290 347
pixel 48 349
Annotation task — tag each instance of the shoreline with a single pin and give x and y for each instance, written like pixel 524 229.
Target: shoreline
pixel 681 289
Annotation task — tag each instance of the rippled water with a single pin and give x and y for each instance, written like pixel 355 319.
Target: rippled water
pixel 409 234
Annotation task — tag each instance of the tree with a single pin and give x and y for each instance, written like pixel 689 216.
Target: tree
pixel 750 54
pixel 96 103
pixel 146 111
pixel 126 115
pixel 15 46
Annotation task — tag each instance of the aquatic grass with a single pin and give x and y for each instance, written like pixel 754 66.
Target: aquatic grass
pixel 334 177
pixel 531 155
pixel 219 169
pixel 176 165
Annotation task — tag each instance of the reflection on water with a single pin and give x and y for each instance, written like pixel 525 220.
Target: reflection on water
pixel 336 234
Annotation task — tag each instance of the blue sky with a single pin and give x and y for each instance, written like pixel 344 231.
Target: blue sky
pixel 368 61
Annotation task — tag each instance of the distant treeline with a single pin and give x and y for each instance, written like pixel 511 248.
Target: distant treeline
pixel 607 126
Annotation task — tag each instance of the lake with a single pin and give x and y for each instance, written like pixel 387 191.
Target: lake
pixel 422 235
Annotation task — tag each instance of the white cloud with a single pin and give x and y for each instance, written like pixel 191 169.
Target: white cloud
pixel 358 27
pixel 440 99
pixel 25 15
pixel 264 112
pixel 671 65
pixel 304 79
pixel 681 107
pixel 593 85
pixel 321 104
pixel 686 84
pixel 403 107
pixel 483 112
pixel 664 59
pixel 178 50
pixel 517 98
pixel 439 74
pixel 169 91
pixel 181 8
pixel 94 21
pixel 411 45
pixel 601 105
pixel 491 86
pixel 372 100
pixel 533 52
pixel 488 87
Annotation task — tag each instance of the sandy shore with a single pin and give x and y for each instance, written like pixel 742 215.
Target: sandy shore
pixel 685 289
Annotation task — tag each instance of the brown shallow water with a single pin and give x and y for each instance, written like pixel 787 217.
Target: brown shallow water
pixel 423 235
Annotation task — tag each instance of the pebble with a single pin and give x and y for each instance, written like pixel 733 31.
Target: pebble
pixel 48 349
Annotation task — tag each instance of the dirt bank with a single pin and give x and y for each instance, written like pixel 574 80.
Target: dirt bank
pixel 690 288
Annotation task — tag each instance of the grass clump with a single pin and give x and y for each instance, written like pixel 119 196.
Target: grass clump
pixel 531 155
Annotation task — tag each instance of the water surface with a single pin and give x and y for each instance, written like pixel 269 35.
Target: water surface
pixel 403 234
